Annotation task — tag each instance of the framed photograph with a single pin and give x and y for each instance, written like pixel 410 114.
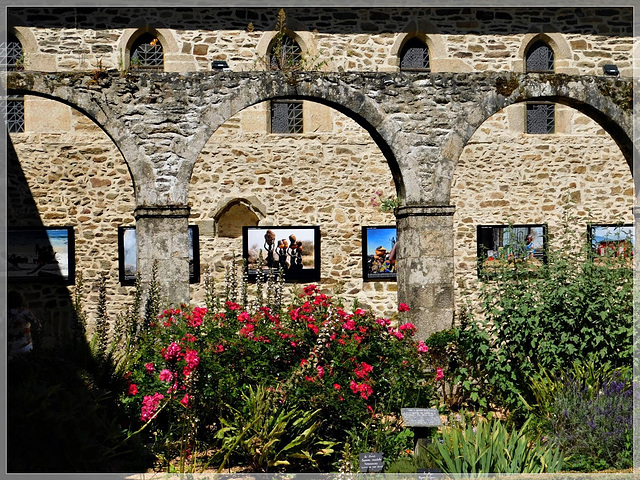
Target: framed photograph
pixel 500 246
pixel 128 255
pixel 45 254
pixel 616 240
pixel 379 253
pixel 293 250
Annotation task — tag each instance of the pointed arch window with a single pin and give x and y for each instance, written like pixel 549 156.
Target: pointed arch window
pixel 540 58
pixel 147 53
pixel 13 56
pixel 414 56
pixel 284 52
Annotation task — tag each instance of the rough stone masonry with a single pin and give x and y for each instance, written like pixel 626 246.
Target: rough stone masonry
pixel 161 121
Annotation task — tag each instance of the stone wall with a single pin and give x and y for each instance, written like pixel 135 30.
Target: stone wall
pixel 506 176
pixel 69 174
pixel 328 175
pixel 460 39
pixel 325 177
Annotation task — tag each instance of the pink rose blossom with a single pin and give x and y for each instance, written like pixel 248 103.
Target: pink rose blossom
pixel 171 352
pixel 185 400
pixel 133 389
pixel 422 348
pixel 165 375
pixel 149 367
pixel 439 374
pixel 150 405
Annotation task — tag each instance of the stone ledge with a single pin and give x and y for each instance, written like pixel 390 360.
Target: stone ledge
pixel 168 211
pixel 425 211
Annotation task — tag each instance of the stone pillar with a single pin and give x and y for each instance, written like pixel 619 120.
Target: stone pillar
pixel 162 236
pixel 425 265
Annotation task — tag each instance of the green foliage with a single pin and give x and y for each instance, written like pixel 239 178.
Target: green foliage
pixel 192 367
pixel 280 57
pixel 576 306
pixel 457 389
pixel 588 413
pixel 266 432
pixel 101 337
pixel 488 446
pixel 384 434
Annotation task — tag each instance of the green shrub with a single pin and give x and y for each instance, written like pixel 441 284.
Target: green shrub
pixel 193 366
pixel 267 431
pixel 576 306
pixel 587 412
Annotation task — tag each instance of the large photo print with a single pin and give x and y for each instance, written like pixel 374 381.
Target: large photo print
pixel 128 255
pixel 379 253
pixel 41 255
pixel 294 251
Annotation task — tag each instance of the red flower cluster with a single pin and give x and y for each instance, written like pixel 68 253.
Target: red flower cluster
pixel 150 405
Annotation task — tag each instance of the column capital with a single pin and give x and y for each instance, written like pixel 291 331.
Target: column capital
pixel 164 211
pixel 425 211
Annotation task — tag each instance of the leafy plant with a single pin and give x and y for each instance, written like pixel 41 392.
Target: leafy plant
pixel 268 432
pixel 587 412
pixel 576 306
pixel 488 446
pixel 282 58
pixel 379 433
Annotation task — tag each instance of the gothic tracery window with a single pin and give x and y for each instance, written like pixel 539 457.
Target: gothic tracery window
pixel 414 56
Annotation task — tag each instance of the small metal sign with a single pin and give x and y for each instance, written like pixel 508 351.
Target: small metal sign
pixel 371 462
pixel 421 417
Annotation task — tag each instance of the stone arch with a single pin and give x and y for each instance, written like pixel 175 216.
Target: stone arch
pixel 232 214
pixel 561 52
pixel 503 176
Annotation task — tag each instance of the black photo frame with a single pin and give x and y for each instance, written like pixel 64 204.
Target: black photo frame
pixel 294 250
pixel 41 254
pixel 127 254
pixel 521 246
pixel 379 253
pixel 616 239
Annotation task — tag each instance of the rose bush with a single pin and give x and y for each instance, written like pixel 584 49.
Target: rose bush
pixel 192 366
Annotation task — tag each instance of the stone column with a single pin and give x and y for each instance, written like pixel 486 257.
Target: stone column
pixel 425 265
pixel 162 236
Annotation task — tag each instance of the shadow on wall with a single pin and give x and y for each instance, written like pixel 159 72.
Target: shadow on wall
pixel 35 264
pixel 59 415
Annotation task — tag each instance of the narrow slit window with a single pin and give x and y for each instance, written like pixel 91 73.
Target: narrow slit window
pixel 14 114
pixel 286 117
pixel 541 118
